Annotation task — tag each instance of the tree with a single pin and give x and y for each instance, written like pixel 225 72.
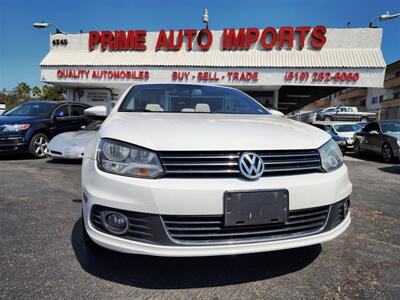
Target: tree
pixel 53 92
pixel 37 92
pixel 23 91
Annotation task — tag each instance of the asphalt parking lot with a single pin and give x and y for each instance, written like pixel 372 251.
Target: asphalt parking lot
pixel 43 254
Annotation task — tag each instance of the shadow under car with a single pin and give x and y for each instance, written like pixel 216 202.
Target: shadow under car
pixel 195 272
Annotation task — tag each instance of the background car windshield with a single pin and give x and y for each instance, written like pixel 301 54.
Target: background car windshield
pixel 348 128
pixel 390 127
pixel 94 126
pixel 190 99
pixel 31 109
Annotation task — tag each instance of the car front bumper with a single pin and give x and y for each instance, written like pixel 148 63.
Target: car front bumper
pixel 68 153
pixel 12 143
pixel 191 196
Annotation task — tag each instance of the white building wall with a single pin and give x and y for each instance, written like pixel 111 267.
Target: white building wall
pixel 381 93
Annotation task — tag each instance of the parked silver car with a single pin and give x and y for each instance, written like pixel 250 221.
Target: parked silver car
pixel 71 145
pixel 381 138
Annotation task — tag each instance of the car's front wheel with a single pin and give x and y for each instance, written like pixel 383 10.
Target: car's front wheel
pixel 38 145
pixel 357 149
pixel 387 153
pixel 328 118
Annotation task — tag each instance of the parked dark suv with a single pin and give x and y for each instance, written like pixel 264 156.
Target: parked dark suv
pixel 29 126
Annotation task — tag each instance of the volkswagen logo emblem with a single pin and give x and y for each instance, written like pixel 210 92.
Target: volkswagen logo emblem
pixel 251 165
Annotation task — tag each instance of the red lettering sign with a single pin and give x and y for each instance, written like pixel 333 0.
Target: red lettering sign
pixel 242 39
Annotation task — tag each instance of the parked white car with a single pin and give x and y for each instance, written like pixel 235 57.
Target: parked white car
pixel 345 130
pixel 196 170
pixel 71 145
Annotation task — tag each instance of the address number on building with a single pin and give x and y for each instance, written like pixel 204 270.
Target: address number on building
pixel 60 42
pixel 321 76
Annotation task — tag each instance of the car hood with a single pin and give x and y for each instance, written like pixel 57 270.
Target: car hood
pixel 349 134
pixel 191 131
pixel 5 120
pixel 72 139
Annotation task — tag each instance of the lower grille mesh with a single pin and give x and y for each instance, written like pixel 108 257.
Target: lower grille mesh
pixel 210 229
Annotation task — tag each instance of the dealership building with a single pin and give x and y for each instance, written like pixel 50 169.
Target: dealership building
pixel 285 67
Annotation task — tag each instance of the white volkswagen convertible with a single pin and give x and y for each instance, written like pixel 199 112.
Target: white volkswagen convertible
pixel 195 170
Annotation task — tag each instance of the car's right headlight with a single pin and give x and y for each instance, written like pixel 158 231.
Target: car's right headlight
pixel 124 159
pixel 331 156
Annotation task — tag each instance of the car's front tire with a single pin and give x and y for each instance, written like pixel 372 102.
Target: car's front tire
pixel 387 153
pixel 328 118
pixel 38 145
pixel 357 149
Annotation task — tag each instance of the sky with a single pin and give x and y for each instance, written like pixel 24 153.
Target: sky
pixel 22 47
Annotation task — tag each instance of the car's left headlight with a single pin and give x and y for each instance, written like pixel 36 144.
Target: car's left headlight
pixel 331 156
pixel 16 127
pixel 124 159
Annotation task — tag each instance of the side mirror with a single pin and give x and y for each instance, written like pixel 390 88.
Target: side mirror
pixel 374 132
pixel 97 112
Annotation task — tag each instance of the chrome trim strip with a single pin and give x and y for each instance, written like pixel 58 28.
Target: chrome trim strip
pixel 201 171
pixel 201 164
pixel 287 155
pixel 200 157
pixel 291 162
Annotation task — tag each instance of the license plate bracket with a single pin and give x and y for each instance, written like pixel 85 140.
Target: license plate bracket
pixel 255 207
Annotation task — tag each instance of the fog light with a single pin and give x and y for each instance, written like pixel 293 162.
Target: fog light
pixel 115 222
pixel 346 206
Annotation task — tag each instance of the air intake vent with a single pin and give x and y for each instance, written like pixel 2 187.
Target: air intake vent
pixel 210 229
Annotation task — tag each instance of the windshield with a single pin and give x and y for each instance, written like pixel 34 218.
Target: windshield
pixel 94 126
pixel 31 109
pixel 348 128
pixel 184 98
pixel 390 127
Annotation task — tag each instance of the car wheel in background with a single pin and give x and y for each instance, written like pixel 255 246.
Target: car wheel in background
pixel 38 145
pixel 387 153
pixel 327 118
pixel 364 119
pixel 357 149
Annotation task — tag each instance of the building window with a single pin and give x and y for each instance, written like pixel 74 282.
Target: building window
pixel 397 74
pixel 381 98
pixel 396 95
pixel 375 100
pixel 362 103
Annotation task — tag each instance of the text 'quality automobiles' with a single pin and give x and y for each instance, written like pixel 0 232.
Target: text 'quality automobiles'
pixel 29 126
pixel 197 170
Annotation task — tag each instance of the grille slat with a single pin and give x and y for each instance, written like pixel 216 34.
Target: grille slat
pixel 197 229
pixel 240 234
pixel 225 163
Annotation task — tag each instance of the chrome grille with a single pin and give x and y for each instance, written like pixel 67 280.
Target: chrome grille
pixel 225 164
pixel 210 229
